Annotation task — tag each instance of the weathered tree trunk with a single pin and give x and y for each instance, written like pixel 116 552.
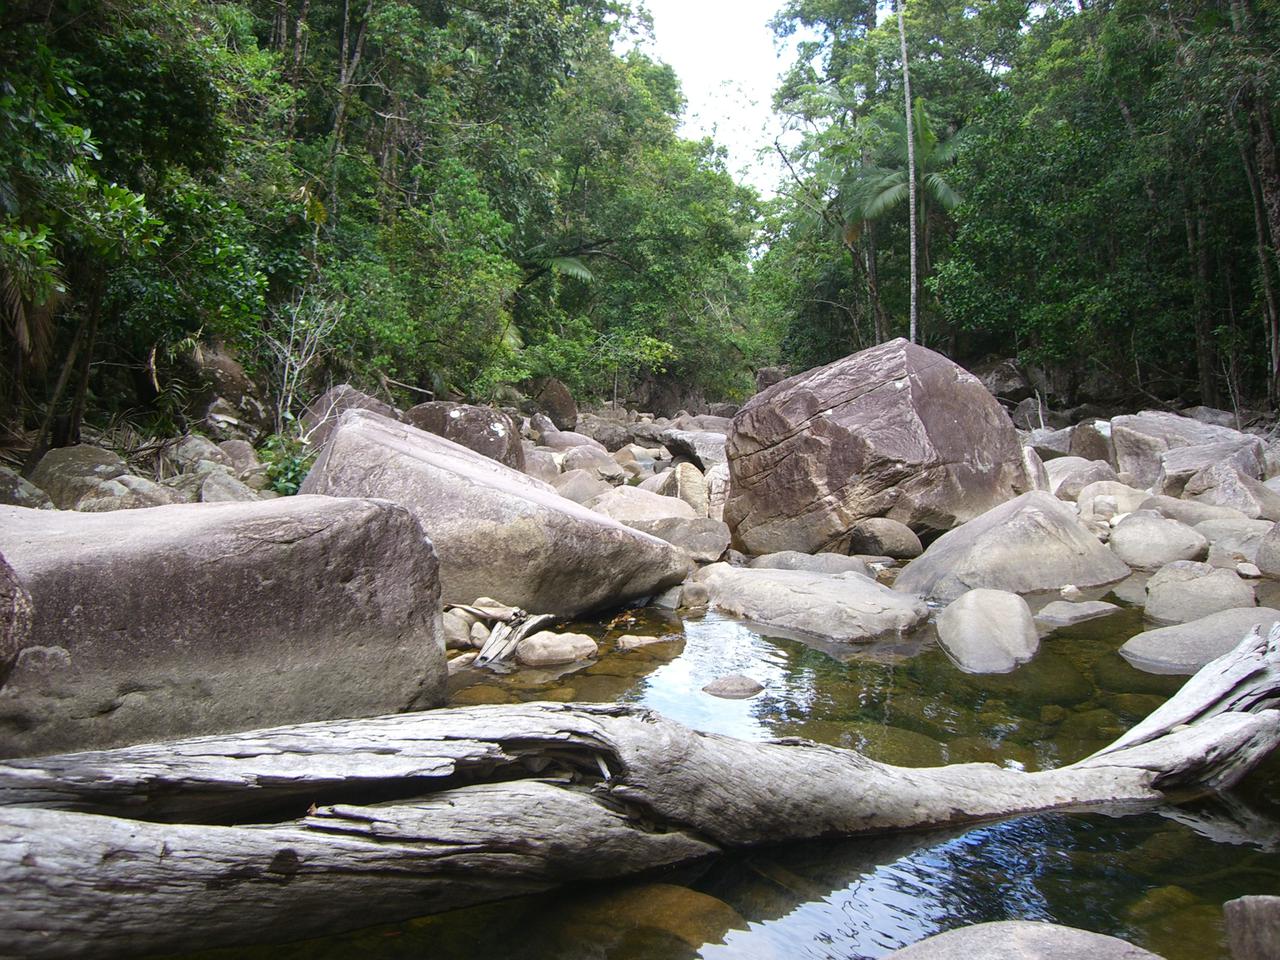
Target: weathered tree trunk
pixel 137 850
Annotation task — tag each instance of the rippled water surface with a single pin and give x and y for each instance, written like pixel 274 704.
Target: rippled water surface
pixel 1157 879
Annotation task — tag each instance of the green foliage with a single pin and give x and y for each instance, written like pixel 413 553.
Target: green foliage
pixel 288 461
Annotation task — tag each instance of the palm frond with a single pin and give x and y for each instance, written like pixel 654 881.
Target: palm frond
pixel 942 191
pixel 571 267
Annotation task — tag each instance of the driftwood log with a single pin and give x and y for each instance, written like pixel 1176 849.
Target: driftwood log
pixel 305 830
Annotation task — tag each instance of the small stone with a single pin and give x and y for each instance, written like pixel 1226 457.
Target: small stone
pixel 479 635
pixel 1248 570
pixel 635 642
pixel 1063 614
pixel 1071 592
pixel 545 649
pixel 733 687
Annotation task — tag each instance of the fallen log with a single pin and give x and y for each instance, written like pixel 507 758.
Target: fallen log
pixel 299 831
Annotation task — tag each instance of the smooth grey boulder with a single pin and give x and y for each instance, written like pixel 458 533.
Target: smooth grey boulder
pixel 1253 927
pixel 594 461
pixel 1032 543
pixel 17 491
pixel 631 504
pixel 193 448
pixel 499 533
pixel 1120 498
pixel 988 631
pixel 1037 475
pixel 556 402
pixel 324 412
pixel 240 455
pixel 15 616
pixel 211 618
pixel 1051 444
pixel 1021 940
pixel 1233 541
pixel 611 433
pixel 1091 440
pixel 1147 541
pixel 126 492
pixel 69 473
pixel 896 431
pixel 717 490
pixel 1068 476
pixel 541 464
pixel 733 687
pixel 704 447
pixel 1189 511
pixel 846 607
pixel 1225 486
pixel 1268 555
pixel 1180 464
pixel 1184 648
pixel 547 649
pixel 580 485
pixel 703 539
pixel 882 537
pixel 1065 613
pixel 686 482
pixel 814 563
pixel 555 439
pixel 221 487
pixel 1141 440
pixel 485 430
pixel 1186 590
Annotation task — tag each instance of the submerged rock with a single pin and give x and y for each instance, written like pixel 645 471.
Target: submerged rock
pixel 896 431
pixel 499 533
pixel 845 607
pixel 1027 545
pixel 1021 940
pixel 1186 647
pixel 1186 590
pixel 1062 613
pixel 814 563
pixel 733 687
pixel 988 631
pixel 209 618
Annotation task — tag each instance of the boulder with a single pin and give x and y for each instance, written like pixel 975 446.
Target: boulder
pixel 1068 476
pixel 1141 439
pixel 483 429
pixel 1037 475
pixel 1180 464
pixel 547 649
pixel 610 433
pixel 1029 544
pixel 630 504
pixel 1032 414
pixel 1051 444
pixel 717 490
pixel 231 401
pixel 703 539
pixel 555 400
pixel 814 563
pixel 1253 927
pixel 1186 590
pixel 766 377
pixel 541 464
pixel 1064 613
pixel 988 631
pixel 704 447
pixel 1003 379
pixel 17 491
pixel 1091 440
pixel 595 461
pixel 896 431
pixel 846 607
pixel 1233 541
pixel 1219 418
pixel 219 487
pixel 193 448
pixel 323 413
pixel 558 440
pixel 686 482
pixel 1121 498
pixel 1021 940
pixel 1147 541
pixel 1189 511
pixel 498 532
pixel 580 485
pixel 1224 486
pixel 15 616
pixel 882 537
pixel 703 423
pixel 69 473
pixel 127 492
pixel 210 618
pixel 1186 647
pixel 1268 555
pixel 733 687
pixel 725 410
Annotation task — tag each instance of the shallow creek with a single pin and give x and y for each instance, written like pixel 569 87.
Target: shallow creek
pixel 1157 879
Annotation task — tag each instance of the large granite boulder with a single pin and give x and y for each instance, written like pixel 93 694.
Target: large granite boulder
pixel 1185 590
pixel 324 412
pixel 1184 648
pixel 1142 439
pixel 1268 555
pixel 611 433
pixel 15 616
pixel 483 429
pixel 1147 541
pixel 17 491
pixel 632 504
pixel 1225 486
pixel 706 448
pixel 703 539
pixel 1021 940
pixel 896 431
pixel 1180 464
pixel 1068 476
pixel 128 492
pixel 499 533
pixel 1027 545
pixel 988 631
pixel 209 618
pixel 812 562
pixel 555 400
pixel 69 474
pixel 846 607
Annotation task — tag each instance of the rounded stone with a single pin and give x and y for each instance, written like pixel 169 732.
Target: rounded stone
pixel 733 687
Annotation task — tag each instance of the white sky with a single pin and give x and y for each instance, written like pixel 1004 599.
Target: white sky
pixel 723 51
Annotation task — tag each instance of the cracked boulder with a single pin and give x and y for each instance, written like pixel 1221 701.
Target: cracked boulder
pixel 896 431
pixel 499 533
pixel 211 618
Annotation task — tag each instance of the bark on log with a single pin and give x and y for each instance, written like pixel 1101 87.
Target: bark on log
pixel 363 821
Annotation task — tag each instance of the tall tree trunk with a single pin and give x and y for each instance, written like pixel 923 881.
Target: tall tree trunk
pixel 1262 244
pixel 911 172
pixel 1206 354
pixel 873 285
pixel 349 57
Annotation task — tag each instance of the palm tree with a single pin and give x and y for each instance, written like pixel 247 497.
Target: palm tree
pixel 911 164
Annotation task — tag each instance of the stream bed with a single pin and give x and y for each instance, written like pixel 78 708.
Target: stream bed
pixel 1158 879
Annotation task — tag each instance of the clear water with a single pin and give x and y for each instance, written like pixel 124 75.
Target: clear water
pixel 1156 879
